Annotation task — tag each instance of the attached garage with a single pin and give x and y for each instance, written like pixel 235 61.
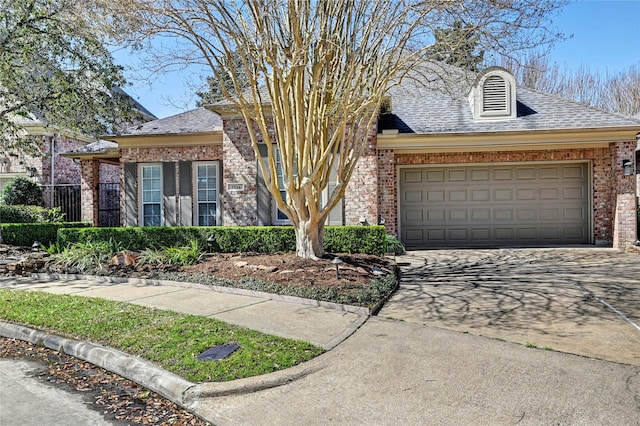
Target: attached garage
pixel 524 204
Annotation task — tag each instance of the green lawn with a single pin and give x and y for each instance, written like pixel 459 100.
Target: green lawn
pixel 165 338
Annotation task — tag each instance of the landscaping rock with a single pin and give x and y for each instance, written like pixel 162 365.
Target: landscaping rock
pixel 240 264
pixel 125 258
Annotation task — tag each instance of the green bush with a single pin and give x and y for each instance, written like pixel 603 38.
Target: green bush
pixel 29 214
pixel 232 239
pixel 86 257
pixel 22 190
pixel 24 234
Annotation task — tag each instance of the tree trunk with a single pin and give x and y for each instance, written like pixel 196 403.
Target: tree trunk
pixel 309 239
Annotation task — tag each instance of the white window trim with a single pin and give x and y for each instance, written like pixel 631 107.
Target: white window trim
pixel 194 189
pixel 274 205
pixel 140 203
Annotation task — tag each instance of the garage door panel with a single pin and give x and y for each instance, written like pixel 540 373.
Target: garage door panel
pixel 435 176
pixel 574 193
pixel 525 194
pixel 509 205
pixel 503 195
pixel 481 214
pixel 573 172
pixel 412 176
pixel 435 196
pixel 480 195
pixel 413 196
pixel 480 175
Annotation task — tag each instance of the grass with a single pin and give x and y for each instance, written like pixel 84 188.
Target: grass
pixel 168 339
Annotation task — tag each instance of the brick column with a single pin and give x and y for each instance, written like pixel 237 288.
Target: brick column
pixel 625 222
pixel 361 195
pixel 240 208
pixel 89 190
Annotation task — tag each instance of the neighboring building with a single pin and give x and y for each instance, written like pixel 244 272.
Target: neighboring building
pixel 59 175
pixel 493 165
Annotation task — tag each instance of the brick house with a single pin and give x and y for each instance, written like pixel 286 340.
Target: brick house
pixel 489 164
pixel 59 176
pixel 57 173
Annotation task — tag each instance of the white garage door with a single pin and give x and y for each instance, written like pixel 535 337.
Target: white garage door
pixel 502 205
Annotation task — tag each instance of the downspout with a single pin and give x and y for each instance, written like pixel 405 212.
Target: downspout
pixel 52 146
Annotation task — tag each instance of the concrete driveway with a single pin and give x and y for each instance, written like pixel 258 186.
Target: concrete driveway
pixel 584 301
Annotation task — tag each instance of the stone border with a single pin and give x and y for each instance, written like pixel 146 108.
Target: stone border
pixel 359 310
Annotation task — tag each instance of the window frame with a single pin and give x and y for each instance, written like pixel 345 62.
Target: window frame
pixel 141 202
pixel 194 186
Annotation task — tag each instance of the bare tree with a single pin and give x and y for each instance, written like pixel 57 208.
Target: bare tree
pixel 617 92
pixel 318 72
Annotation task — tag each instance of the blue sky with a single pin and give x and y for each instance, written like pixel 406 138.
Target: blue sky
pixel 606 37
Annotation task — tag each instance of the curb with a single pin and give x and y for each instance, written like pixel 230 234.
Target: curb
pixel 163 382
pixel 359 310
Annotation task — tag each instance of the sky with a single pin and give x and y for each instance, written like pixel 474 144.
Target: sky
pixel 604 35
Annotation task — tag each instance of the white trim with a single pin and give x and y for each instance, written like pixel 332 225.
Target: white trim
pixel 140 191
pixel 194 190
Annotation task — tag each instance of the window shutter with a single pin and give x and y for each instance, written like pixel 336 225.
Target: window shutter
pixel 185 193
pixel 494 96
pixel 263 194
pixel 130 217
pixel 169 193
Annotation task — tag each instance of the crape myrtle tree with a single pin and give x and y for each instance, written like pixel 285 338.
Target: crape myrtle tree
pixel 318 72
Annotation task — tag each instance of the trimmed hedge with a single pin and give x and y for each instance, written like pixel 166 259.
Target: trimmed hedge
pixel 29 214
pixel 231 239
pixel 24 234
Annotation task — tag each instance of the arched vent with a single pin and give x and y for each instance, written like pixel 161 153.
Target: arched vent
pixel 494 94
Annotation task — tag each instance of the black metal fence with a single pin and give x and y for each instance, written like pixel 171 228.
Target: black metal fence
pixel 67 197
pixel 109 204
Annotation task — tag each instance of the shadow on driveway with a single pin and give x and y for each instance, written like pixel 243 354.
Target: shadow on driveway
pixel 549 298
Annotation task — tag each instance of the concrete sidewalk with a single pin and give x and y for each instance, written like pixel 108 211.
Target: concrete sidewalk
pixel 323 324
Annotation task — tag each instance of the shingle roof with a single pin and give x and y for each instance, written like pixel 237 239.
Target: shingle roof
pixel 420 110
pixel 199 120
pixel 98 147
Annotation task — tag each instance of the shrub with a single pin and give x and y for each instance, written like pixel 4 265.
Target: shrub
pixel 232 239
pixel 24 234
pixel 22 190
pixel 183 255
pixel 394 245
pixel 29 214
pixel 86 257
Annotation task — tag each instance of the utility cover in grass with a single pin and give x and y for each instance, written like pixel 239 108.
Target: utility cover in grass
pixel 218 352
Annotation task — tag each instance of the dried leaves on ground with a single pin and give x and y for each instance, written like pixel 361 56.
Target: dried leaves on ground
pixel 117 398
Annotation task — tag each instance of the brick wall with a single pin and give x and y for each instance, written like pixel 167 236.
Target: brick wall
pixel 239 207
pixel 88 192
pixel 624 196
pixel 603 202
pixel 360 198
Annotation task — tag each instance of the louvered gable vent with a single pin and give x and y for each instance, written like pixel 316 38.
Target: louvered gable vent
pixel 494 94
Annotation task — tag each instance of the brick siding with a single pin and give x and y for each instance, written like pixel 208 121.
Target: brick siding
pixel 605 179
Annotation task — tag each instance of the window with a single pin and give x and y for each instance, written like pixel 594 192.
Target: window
pixel 206 189
pixel 280 217
pixel 151 197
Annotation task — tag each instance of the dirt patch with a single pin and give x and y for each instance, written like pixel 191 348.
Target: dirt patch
pixel 287 269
